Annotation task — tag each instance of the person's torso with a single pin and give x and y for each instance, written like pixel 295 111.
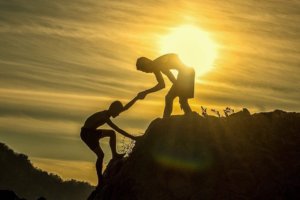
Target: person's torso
pixel 96 120
pixel 167 62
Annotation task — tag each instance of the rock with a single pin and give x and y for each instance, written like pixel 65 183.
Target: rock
pixel 242 156
pixel 9 195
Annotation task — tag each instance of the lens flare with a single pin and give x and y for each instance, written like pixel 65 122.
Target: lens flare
pixel 184 160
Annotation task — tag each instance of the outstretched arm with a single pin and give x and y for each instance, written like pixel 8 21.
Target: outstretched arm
pixel 116 128
pixel 129 104
pixel 160 85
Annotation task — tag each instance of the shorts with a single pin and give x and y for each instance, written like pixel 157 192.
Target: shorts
pixel 184 86
pixel 90 137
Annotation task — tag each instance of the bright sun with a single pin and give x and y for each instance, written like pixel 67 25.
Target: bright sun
pixel 194 47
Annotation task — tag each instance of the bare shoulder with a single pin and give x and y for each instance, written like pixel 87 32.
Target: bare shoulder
pixel 166 57
pixel 97 119
pixel 101 115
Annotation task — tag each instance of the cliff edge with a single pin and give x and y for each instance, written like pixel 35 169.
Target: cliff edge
pixel 190 157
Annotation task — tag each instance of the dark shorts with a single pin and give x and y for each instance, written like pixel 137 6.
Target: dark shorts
pixel 90 137
pixel 184 86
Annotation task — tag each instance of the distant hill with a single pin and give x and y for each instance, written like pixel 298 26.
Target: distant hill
pixel 190 157
pixel 17 174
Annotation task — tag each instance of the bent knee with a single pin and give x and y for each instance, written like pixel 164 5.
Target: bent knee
pixel 112 134
pixel 100 155
pixel 109 133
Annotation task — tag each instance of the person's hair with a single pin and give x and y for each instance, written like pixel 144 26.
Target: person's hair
pixel 141 62
pixel 116 106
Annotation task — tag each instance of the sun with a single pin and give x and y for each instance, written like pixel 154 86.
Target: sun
pixel 193 45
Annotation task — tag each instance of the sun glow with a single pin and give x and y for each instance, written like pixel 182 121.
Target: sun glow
pixel 194 47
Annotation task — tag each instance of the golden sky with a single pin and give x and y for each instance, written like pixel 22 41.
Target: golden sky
pixel 60 61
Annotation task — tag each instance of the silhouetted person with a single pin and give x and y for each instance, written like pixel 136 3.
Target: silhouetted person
pixel 183 86
pixel 91 135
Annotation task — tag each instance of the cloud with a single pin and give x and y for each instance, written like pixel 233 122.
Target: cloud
pixel 62 61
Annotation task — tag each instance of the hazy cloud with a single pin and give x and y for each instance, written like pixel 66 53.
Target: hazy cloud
pixel 62 61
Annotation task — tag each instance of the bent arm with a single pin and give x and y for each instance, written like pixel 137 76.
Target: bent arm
pixel 116 128
pixel 160 83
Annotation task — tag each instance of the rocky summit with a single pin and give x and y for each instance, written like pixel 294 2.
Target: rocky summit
pixel 191 157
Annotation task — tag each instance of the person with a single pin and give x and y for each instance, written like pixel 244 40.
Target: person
pixel 90 134
pixel 183 85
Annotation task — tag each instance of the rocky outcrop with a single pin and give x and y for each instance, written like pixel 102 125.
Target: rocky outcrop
pixel 190 157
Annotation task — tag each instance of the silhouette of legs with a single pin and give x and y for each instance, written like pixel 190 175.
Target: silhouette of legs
pixel 100 155
pixel 169 102
pixel 112 142
pixel 172 94
pixel 185 105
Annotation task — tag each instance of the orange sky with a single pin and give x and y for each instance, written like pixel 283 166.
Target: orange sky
pixel 63 60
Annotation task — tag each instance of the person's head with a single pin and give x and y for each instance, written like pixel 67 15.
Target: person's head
pixel 115 108
pixel 144 64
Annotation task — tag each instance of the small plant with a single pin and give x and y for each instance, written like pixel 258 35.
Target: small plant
pixel 126 147
pixel 217 112
pixel 204 111
pixel 228 111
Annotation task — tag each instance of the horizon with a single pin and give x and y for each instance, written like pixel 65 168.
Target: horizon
pixel 62 61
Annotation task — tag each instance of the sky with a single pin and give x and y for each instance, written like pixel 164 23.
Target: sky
pixel 61 61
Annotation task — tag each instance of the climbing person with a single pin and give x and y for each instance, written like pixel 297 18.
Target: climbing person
pixel 183 85
pixel 91 135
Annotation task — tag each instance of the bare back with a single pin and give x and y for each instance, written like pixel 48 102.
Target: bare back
pixel 96 120
pixel 168 62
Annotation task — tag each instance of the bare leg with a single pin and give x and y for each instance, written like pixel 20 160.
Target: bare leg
pixel 112 142
pixel 169 102
pixel 99 164
pixel 185 105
